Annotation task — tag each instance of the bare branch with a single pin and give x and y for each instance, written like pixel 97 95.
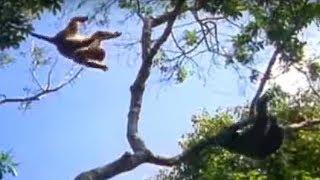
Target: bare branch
pixel 215 28
pixel 264 79
pixel 50 73
pixel 279 48
pixel 161 19
pixel 125 163
pixel 177 43
pixel 42 92
pixel 69 80
pixel 137 89
pixel 165 17
pixel 165 33
pixel 196 16
pixel 195 46
pixel 35 79
pixel 315 92
pixel 139 10
pixel 307 124
pixel 233 23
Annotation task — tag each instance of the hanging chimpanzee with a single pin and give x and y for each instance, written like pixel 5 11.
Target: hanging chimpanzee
pixel 258 140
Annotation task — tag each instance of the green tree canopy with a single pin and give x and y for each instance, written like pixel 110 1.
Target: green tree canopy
pixel 16 19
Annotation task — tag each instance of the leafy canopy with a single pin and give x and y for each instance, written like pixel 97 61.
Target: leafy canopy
pixel 16 18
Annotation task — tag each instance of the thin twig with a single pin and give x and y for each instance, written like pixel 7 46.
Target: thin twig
pixel 35 79
pixel 195 15
pixel 309 81
pixel 50 74
pixel 41 93
pixel 139 10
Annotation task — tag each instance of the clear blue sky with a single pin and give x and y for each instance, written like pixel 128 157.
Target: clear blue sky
pixel 84 125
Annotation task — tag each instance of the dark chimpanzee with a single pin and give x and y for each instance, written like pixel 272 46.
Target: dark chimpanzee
pixel 259 140
pixel 263 138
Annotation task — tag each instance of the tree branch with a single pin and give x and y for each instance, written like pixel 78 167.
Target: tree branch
pixel 170 21
pixel 50 73
pixel 137 89
pixel 196 17
pixel 139 9
pixel 35 79
pixel 41 93
pixel 313 89
pixel 124 163
pixel 164 17
pixel 264 80
pixel 304 124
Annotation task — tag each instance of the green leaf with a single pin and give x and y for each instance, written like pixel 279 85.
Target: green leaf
pixel 191 37
pixel 182 74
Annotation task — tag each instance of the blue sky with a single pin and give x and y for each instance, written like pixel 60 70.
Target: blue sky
pixel 84 125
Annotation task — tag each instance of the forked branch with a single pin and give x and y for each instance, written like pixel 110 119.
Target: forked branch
pixel 141 154
pixel 138 87
pixel 43 91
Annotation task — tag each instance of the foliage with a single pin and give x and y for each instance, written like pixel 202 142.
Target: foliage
pixel 270 24
pixel 7 165
pixel 275 23
pixel 15 26
pixel 191 37
pixel 314 70
pixel 5 59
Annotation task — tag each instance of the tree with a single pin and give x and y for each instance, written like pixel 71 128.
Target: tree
pixel 272 25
